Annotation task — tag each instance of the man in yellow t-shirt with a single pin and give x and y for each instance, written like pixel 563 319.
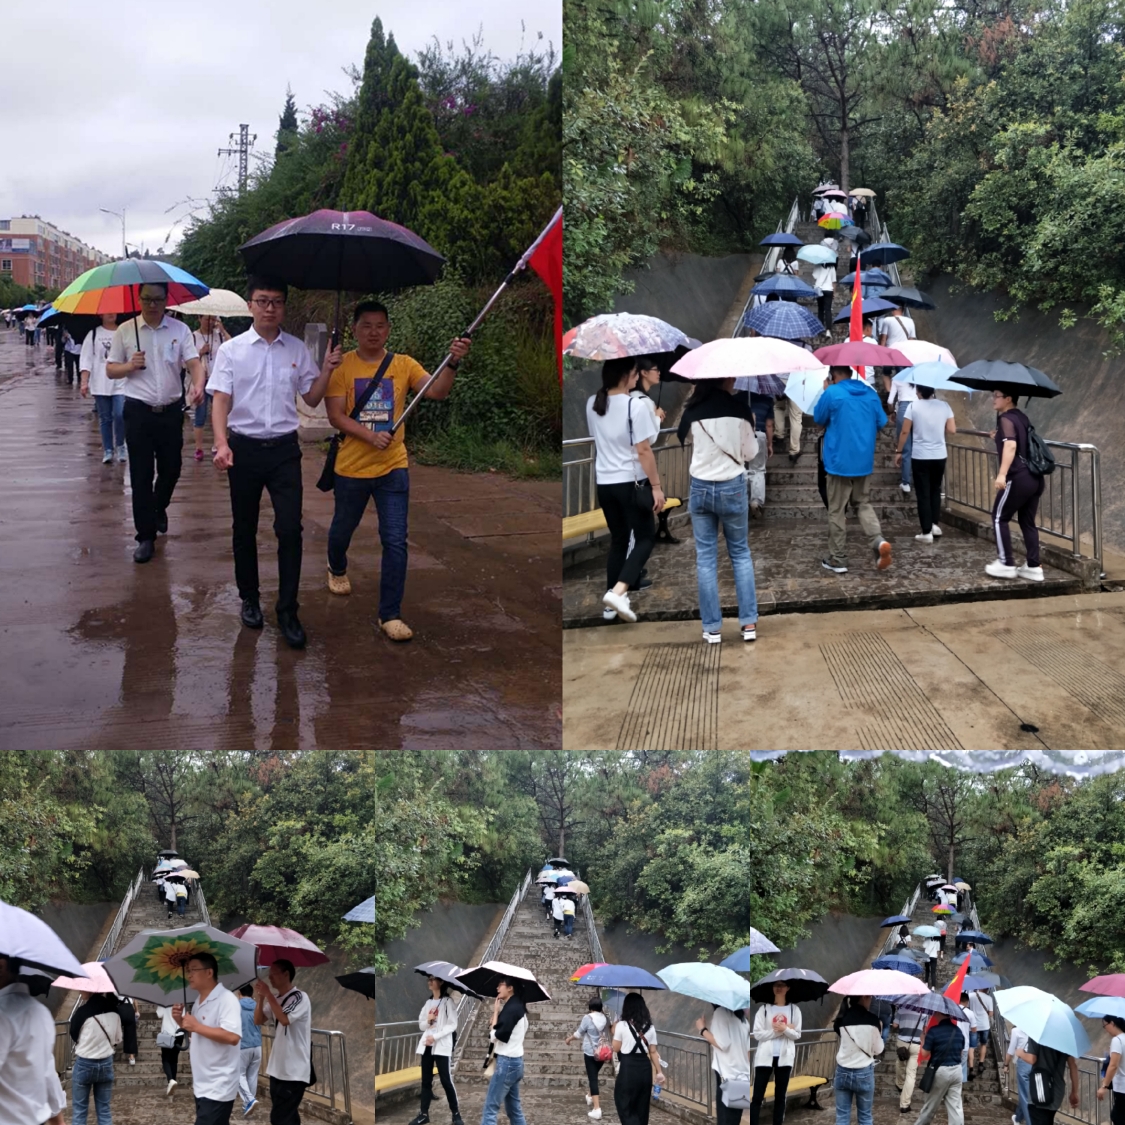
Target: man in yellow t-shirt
pixel 371 462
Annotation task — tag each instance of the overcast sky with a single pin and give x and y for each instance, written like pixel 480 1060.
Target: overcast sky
pixel 128 107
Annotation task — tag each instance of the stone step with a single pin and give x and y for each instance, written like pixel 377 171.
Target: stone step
pixel 798 511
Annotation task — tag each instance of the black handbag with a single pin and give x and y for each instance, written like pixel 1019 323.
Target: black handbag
pixel 928 1075
pixel 642 489
pixel 1041 1087
pixel 327 479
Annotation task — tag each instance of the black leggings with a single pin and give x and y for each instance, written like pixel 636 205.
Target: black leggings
pixel 593 1065
pixel 1020 499
pixel 429 1059
pixel 1117 1110
pixel 170 1061
pixel 623 515
pixel 928 474
pixel 762 1076
pixel 824 308
pixel 632 1090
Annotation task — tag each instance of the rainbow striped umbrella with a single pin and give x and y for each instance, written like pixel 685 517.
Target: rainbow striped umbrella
pixel 834 221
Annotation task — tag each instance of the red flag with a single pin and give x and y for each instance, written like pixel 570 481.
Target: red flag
pixel 855 331
pixel 953 992
pixel 545 256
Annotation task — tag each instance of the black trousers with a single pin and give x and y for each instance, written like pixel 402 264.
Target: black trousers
pixel 632 1092
pixel 211 1112
pixel 285 1100
pixel 429 1061
pixel 824 308
pixel 1041 1116
pixel 1117 1110
pixel 724 1115
pixel 593 1065
pixel 170 1061
pixel 622 516
pixel 928 474
pixel 276 467
pixel 71 366
pixel 155 441
pixel 780 1085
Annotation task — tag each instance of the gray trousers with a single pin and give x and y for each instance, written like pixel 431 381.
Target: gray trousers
pixel 947 1089
pixel 840 491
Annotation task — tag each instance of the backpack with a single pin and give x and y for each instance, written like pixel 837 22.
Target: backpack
pixel 1039 458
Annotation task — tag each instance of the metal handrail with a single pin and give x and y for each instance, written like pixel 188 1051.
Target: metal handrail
pixel 202 904
pixel 907 908
pixel 884 235
pixel 591 928
pixel 784 226
pixel 329 1051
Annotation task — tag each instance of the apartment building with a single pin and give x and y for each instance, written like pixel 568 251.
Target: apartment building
pixel 35 252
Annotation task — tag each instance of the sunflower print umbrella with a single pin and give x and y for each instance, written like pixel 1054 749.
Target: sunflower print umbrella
pixel 152 967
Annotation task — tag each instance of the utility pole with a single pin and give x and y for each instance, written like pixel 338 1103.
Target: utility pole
pixel 121 215
pixel 242 151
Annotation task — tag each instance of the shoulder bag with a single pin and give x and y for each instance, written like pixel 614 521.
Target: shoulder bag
pixel 327 479
pixel 604 1050
pixel 736 1092
pixel 642 489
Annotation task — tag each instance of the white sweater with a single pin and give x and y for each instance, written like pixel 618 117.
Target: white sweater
pixel 720 446
pixel 766 1036
pixel 442 1030
pixel 859 1044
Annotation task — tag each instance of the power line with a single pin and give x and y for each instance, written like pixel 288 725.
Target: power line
pixel 242 151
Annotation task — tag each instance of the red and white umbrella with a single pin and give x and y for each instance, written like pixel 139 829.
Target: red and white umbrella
pixel 278 942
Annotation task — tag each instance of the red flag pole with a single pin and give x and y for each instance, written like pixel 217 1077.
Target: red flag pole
pixel 952 992
pixel 516 269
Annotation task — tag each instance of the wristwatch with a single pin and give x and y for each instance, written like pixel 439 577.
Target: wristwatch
pixel 454 364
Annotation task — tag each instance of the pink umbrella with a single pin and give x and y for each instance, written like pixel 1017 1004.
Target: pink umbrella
pixel 878 982
pixel 96 980
pixel 925 351
pixel 744 356
pixel 1111 984
pixel 857 353
pixel 275 942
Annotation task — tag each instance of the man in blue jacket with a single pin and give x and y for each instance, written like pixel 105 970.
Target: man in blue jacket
pixel 853 415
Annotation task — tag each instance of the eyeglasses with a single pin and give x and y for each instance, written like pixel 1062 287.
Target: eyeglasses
pixel 153 300
pixel 269 302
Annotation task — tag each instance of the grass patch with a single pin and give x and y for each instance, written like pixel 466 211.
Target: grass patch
pixel 469 451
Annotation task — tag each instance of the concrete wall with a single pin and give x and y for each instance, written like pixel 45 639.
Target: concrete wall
pixel 78 924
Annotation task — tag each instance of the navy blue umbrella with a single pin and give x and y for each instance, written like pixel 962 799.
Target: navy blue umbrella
pixel 977 960
pixel 903 964
pixel 620 976
pixel 895 920
pixel 871 305
pixel 739 960
pixel 977 937
pixel 781 239
pixel 874 277
pixel 883 253
pixel 783 320
pixel 785 285
pixel 935 1003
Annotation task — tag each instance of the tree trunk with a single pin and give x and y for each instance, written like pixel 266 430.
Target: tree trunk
pixel 950 861
pixel 845 156
pixel 172 842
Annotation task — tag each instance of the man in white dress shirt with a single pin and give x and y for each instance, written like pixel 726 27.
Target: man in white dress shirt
pixel 154 417
pixel 255 380
pixel 30 1091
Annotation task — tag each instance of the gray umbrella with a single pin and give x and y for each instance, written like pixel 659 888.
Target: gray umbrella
pixel 933 1003
pixel 1014 378
pixel 908 296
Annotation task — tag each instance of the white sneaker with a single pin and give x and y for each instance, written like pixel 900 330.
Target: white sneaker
pixel 1000 569
pixel 608 614
pixel 107 456
pixel 595 1115
pixel 172 1084
pixel 935 531
pixel 712 638
pixel 749 632
pixel 589 1100
pixel 122 455
pixel 925 538
pixel 620 602
pixel 1031 573
pixel 905 489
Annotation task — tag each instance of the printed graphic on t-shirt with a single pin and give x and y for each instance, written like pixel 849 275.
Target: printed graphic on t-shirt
pixel 378 412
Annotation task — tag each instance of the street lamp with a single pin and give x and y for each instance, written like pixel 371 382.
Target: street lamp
pixel 121 215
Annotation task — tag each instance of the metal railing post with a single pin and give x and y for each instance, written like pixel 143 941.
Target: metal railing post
pixel 1075 501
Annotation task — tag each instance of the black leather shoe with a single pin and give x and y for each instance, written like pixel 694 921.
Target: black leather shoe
pixel 251 613
pixel 291 630
pixel 161 523
pixel 146 548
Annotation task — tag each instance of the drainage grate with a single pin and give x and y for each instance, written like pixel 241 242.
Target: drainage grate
pixel 675 701
pixel 896 713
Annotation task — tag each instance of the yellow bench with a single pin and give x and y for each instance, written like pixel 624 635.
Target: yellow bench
pixel 798 1085
pixel 586 523
pixel 398 1078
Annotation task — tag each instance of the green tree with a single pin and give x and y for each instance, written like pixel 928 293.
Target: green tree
pixel 286 126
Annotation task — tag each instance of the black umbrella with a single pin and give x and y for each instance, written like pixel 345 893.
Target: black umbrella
pixel 1012 378
pixel 483 979
pixel 908 296
pixel 558 861
pixel 804 985
pixel 363 981
pixel 855 234
pixel 168 853
pixel 445 971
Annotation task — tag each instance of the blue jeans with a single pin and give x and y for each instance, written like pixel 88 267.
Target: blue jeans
pixel 1023 1084
pixel 568 924
pixel 907 449
pixel 391 493
pixel 504 1089
pixel 200 419
pixel 96 1074
pixel 713 503
pixel 111 420
pixel 860 1083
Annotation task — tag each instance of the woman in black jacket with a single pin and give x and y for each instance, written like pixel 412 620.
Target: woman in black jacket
pixel 509 1026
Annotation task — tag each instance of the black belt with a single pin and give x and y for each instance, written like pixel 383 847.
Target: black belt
pixel 267 443
pixel 155 409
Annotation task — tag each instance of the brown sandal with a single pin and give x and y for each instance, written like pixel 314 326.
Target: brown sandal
pixel 397 630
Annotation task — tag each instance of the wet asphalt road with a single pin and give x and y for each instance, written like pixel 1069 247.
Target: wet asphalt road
pixel 98 652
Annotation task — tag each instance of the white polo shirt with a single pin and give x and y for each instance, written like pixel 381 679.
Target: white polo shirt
pixel 214 1066
pixel 289 1055
pixel 263 380
pixel 168 348
pixel 30 1090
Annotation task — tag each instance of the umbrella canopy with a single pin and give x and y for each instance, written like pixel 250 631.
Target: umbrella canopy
pixel 1045 1018
pixel 617 335
pixel 620 976
pixel 871 306
pixel 926 931
pixel 362 981
pixel 864 192
pixel 352 250
pixel 582 970
pixel 976 960
pixel 859 354
pixel 711 983
pixel 933 374
pixel 857 235
pixel 909 296
pixel 962 886
pixel 559 860
pixel 169 852
pixel 977 937
pixel 785 285
pixel 834 193
pixel 1101 1006
pixel 903 962
pixel 895 920
pixel 942 910
pixel 152 966
pixel 984 374
pixel 578 887
pixel 925 351
pixel 784 320
pixel 878 982
pixel 995 980
pixel 547 877
pixel 49 312
pixel 933 1003
pixel 1109 984
pixel 820 189
pixel 743 355
pixel 446 971
pixel 95 980
pixel 563 880
pixel 781 239
pixel 974 983
pixel 948 887
pixel 219 302
pixel 938 878
pixel 115 287
pixel 178 862
pixel 883 253
pixel 834 220
pixel 804 985
pixel 279 942
pixel 364 912
pixel 739 960
pixel 817 255
pixel 30 939
pixel 867 277
pixel 805 387
pixel 483 980
pixel 761 385
pixel 185 873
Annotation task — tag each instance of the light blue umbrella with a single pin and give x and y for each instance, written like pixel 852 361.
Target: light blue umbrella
pixel 933 374
pixel 711 983
pixel 364 912
pixel 805 387
pixel 1044 1017
pixel 926 931
pixel 977 960
pixel 1102 1006
pixel 739 960
pixel 817 255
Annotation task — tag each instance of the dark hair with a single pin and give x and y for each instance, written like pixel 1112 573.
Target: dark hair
pixel 157 284
pixel 369 307
pixel 925 392
pixel 789 254
pixel 286 967
pixel 245 990
pixel 1117 1021
pixel 208 962
pixel 515 985
pixel 444 989
pixel 263 281
pixel 613 371
pixel 843 368
pixel 903 931
pixel 634 1011
pixel 595 1005
pixel 737 1012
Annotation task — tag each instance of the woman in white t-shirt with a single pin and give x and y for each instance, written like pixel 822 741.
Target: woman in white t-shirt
pixel 927 421
pixel 634 1041
pixel 729 1036
pixel 777 1027
pixel 1114 1078
pixel 629 491
pixel 210 337
pixel 109 394
pixel 437 1022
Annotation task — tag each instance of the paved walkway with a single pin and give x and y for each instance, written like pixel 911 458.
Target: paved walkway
pixel 99 652
pixel 944 677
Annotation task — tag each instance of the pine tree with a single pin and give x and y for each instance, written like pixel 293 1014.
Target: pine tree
pixel 287 125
